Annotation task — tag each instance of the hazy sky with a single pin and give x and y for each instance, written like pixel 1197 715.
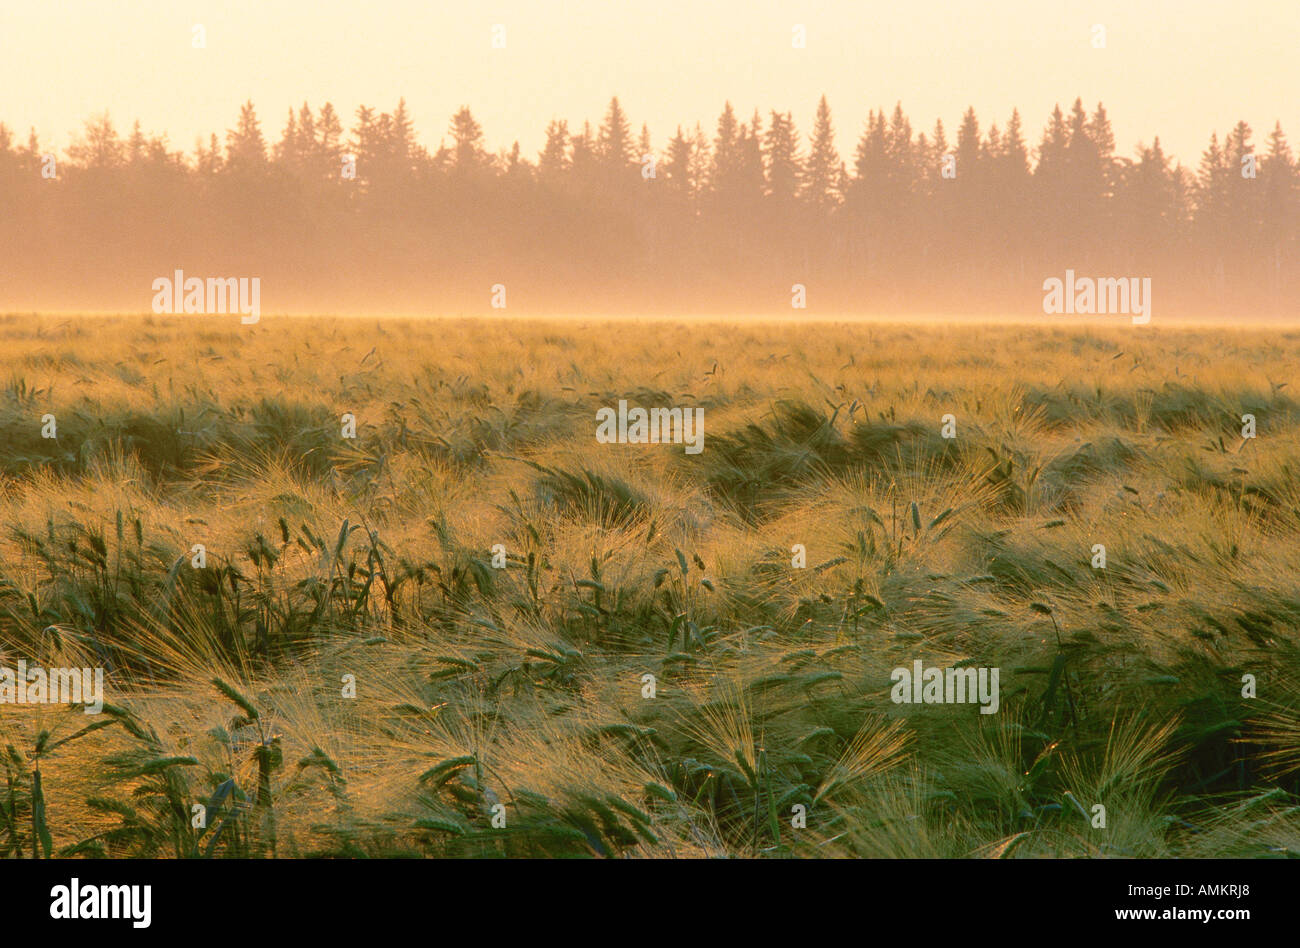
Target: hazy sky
pixel 1176 68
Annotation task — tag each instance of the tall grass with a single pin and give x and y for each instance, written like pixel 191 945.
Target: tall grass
pixel 504 711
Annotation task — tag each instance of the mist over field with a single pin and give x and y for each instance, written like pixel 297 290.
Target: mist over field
pixel 734 431
pixel 753 216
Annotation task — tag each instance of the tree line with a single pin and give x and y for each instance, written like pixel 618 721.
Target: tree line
pixel 603 220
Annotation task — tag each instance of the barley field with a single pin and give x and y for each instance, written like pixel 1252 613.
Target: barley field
pixel 434 638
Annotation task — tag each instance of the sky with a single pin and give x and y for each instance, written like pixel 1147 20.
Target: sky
pixel 1174 68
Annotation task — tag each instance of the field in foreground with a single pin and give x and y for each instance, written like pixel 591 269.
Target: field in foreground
pixel 505 711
